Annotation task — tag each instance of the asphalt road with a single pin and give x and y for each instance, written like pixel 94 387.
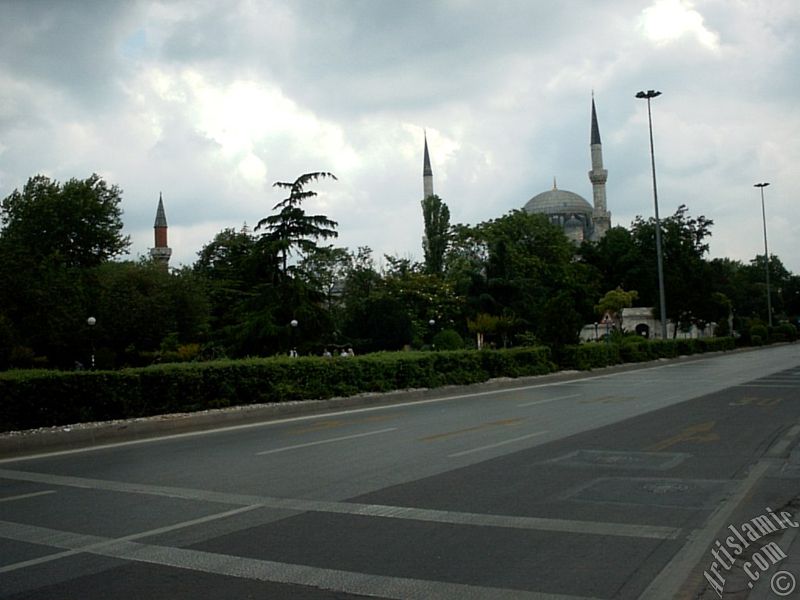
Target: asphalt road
pixel 611 486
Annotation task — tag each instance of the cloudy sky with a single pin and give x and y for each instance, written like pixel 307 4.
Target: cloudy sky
pixel 210 102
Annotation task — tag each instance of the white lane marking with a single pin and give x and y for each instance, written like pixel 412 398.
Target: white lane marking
pixel 545 400
pixel 351 582
pixel 328 441
pixel 498 444
pixel 77 543
pixel 354 508
pixel 24 496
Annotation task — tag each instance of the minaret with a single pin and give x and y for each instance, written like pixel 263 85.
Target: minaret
pixel 598 175
pixel 427 173
pixel 161 252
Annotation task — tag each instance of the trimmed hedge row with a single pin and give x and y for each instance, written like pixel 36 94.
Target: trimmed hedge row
pixel 30 399
pixel 593 356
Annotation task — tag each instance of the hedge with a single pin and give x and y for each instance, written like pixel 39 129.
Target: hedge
pixel 592 356
pixel 31 399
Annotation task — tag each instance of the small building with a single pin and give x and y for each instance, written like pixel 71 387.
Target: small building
pixel 640 320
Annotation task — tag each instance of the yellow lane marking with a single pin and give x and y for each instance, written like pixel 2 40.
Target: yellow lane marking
pixel 702 432
pixel 756 401
pixel 607 400
pixel 446 434
pixel 318 426
pixel 335 423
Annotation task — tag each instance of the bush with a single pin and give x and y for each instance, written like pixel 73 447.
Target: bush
pixel 448 339
pixel 589 356
pixel 785 332
pixel 758 331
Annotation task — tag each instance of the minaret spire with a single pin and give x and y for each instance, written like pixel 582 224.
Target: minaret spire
pixel 598 176
pixel 595 128
pixel 427 172
pixel 161 252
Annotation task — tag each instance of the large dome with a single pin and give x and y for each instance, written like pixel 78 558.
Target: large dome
pixel 555 202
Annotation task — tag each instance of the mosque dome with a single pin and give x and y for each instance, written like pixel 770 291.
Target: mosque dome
pixel 558 202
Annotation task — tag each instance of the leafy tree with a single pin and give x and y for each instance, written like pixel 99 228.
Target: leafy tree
pixel 361 283
pixel 684 244
pixel 482 325
pixel 292 227
pixel 529 262
pixel 77 224
pixel 52 235
pixel 617 259
pixel 437 225
pixel 425 297
pixel 138 306
pixel 614 301
pixel 325 270
pixel 380 322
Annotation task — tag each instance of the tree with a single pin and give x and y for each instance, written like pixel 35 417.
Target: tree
pixel 325 270
pixel 77 224
pixel 482 325
pixel 529 263
pixel 617 259
pixel 292 227
pixel 684 243
pixel 52 236
pixel 437 225
pixel 614 301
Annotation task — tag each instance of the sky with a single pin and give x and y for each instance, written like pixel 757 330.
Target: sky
pixel 210 102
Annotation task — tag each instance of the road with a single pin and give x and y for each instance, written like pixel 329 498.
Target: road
pixel 611 485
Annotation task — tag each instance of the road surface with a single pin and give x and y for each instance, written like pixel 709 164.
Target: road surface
pixel 611 485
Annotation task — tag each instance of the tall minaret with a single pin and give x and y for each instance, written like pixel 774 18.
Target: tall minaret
pixel 598 175
pixel 427 173
pixel 161 252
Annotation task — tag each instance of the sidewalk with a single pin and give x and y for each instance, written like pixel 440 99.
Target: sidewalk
pixel 783 579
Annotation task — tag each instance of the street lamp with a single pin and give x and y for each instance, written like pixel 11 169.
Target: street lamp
pixel 292 350
pixel 91 322
pixel 648 95
pixel 761 186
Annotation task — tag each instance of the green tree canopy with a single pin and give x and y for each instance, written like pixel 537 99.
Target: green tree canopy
pixel 684 244
pixel 77 224
pixel 614 301
pixel 292 227
pixel 436 216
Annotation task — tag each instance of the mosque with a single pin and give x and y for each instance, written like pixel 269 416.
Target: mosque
pixel 577 218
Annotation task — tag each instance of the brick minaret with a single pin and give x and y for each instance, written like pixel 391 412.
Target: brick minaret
pixel 161 252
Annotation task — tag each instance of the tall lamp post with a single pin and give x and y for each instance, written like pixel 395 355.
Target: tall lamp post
pixel 649 95
pixel 293 325
pixel 91 322
pixel 761 186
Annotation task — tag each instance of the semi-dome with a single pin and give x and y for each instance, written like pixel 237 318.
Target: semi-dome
pixel 557 201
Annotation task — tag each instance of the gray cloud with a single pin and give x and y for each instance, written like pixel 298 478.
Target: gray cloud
pixel 211 102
